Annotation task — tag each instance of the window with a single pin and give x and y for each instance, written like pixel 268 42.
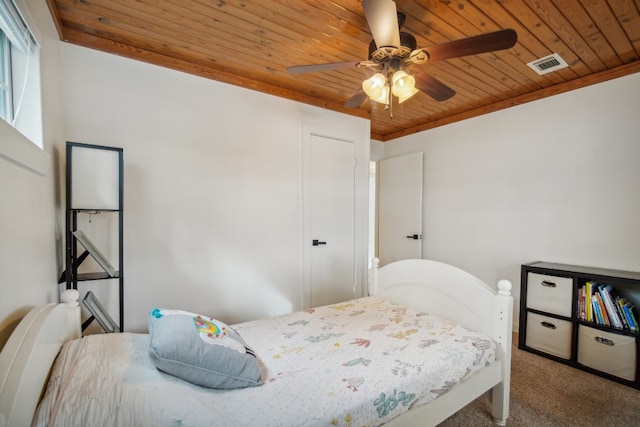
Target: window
pixel 20 103
pixel 5 79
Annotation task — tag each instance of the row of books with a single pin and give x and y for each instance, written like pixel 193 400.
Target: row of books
pixel 602 304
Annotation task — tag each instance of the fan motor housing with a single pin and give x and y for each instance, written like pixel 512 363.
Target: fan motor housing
pixel 407 45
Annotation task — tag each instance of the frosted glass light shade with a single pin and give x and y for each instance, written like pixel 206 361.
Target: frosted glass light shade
pixel 384 96
pixel 404 85
pixel 376 87
pixel 403 98
pixel 94 179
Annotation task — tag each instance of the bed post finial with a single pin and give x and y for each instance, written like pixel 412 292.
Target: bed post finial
pixel 504 287
pixel 70 297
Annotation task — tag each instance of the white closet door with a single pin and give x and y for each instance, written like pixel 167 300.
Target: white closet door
pixel 329 207
pixel 400 208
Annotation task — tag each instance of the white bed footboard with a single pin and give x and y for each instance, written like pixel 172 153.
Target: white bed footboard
pixel 453 294
pixel 27 357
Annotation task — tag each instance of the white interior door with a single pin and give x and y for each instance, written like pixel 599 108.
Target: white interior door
pixel 400 208
pixel 329 210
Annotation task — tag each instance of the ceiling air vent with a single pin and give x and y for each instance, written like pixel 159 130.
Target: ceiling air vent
pixel 548 64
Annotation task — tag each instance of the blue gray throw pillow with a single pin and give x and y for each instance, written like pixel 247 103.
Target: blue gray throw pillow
pixel 201 350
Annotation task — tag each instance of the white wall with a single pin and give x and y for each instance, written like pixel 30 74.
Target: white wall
pixel 554 180
pixel 27 186
pixel 212 184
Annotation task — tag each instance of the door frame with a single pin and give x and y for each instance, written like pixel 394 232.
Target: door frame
pixel 361 184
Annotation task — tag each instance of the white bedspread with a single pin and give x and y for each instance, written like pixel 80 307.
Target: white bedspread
pixel 362 362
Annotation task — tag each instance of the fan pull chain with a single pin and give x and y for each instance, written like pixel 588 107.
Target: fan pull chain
pixel 389 105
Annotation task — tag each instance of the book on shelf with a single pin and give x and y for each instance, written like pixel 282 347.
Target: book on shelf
pixel 582 313
pixel 632 313
pixel 597 316
pixel 616 298
pixel 603 309
pixel 628 316
pixel 601 303
pixel 588 304
pixel 612 313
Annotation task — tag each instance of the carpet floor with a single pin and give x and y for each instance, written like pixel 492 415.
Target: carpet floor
pixel 545 393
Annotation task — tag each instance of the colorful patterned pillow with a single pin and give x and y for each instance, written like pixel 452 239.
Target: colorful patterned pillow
pixel 201 350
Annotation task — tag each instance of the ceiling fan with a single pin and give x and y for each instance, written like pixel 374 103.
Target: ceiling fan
pixel 392 52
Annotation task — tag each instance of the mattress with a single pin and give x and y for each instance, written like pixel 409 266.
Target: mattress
pixel 361 362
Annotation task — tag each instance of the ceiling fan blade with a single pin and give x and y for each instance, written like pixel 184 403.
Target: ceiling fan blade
pixel 382 18
pixel 300 69
pixel 433 87
pixel 498 40
pixel 356 100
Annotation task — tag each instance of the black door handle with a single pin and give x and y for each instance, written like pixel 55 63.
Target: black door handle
pixel 414 237
pixel 316 242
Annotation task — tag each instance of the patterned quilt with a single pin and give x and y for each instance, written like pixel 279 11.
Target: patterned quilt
pixel 357 363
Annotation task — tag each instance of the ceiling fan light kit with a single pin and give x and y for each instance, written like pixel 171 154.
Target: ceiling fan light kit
pixel 394 54
pixel 401 85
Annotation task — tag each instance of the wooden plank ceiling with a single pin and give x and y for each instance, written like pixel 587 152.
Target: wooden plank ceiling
pixel 250 43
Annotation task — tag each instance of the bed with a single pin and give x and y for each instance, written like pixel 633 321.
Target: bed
pixel 362 362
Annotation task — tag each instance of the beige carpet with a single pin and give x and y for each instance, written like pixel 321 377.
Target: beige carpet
pixel 545 393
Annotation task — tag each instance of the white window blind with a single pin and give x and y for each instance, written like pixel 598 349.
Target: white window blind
pixel 14 27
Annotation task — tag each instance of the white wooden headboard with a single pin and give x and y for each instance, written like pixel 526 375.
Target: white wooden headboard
pixel 29 353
